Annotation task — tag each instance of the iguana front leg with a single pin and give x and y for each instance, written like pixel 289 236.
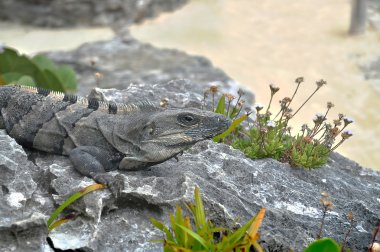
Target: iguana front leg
pixel 95 162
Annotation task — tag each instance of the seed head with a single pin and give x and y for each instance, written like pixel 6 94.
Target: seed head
pixel 259 106
pixel 98 75
pixel 241 103
pixel 214 89
pixel 273 89
pixel 328 126
pixel 334 131
pixel 164 102
pixel 229 97
pixel 308 139
pixel 286 99
pixel 263 130
pixel 325 194
pixel 347 120
pixel 288 115
pixel 327 204
pixel 319 118
pixel 340 116
pixel 350 216
pixel 299 80
pixel 240 92
pixel 330 105
pixel 320 83
pixel 337 122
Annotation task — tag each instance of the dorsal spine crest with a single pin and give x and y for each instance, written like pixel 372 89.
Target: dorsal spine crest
pixel 109 107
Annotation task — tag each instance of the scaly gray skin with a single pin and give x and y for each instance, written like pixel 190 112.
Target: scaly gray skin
pixel 99 136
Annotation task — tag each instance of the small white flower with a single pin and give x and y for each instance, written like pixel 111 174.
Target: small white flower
pixel 348 132
pixel 348 120
pixel 319 118
pixel 271 124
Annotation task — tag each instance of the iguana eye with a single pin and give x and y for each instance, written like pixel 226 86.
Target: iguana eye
pixel 187 119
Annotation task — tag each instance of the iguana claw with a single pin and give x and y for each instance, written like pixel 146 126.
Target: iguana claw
pixel 115 183
pixel 176 156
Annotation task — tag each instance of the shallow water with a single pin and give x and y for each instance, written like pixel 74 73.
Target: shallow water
pixel 263 42
pixel 257 43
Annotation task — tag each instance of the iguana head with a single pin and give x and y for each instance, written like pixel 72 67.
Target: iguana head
pixel 160 135
pixel 170 132
pixel 181 127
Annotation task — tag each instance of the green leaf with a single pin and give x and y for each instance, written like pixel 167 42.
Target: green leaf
pixel 323 245
pixel 200 217
pixel 47 79
pixel 67 77
pixel 26 81
pixel 179 234
pixel 221 107
pixel 233 125
pixel 10 77
pixel 44 63
pixel 41 69
pixel 161 226
pixel 195 236
pixel 70 200
pixel 11 61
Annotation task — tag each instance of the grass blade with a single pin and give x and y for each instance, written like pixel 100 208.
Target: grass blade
pixel 161 226
pixel 253 230
pixel 71 199
pixel 195 236
pixel 221 107
pixel 200 217
pixel 233 125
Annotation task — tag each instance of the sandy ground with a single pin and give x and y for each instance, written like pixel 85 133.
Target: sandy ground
pixel 262 42
pixel 257 43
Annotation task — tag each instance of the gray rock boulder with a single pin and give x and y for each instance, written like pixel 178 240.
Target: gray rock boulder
pixel 231 184
pixel 128 63
pixel 63 13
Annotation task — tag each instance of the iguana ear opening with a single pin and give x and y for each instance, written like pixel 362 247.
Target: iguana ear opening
pixel 149 130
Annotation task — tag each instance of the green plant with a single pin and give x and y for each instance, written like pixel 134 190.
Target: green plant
pixel 271 136
pixel 199 234
pixel 323 245
pixel 37 71
pixel 231 111
pixel 51 224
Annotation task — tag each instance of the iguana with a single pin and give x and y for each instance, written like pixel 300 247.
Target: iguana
pixel 101 136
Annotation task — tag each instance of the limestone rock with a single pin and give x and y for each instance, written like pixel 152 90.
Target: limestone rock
pixel 63 13
pixel 138 67
pixel 231 184
pixel 34 183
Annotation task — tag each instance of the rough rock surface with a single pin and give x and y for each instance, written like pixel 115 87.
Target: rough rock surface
pixel 122 62
pixel 231 184
pixel 61 13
